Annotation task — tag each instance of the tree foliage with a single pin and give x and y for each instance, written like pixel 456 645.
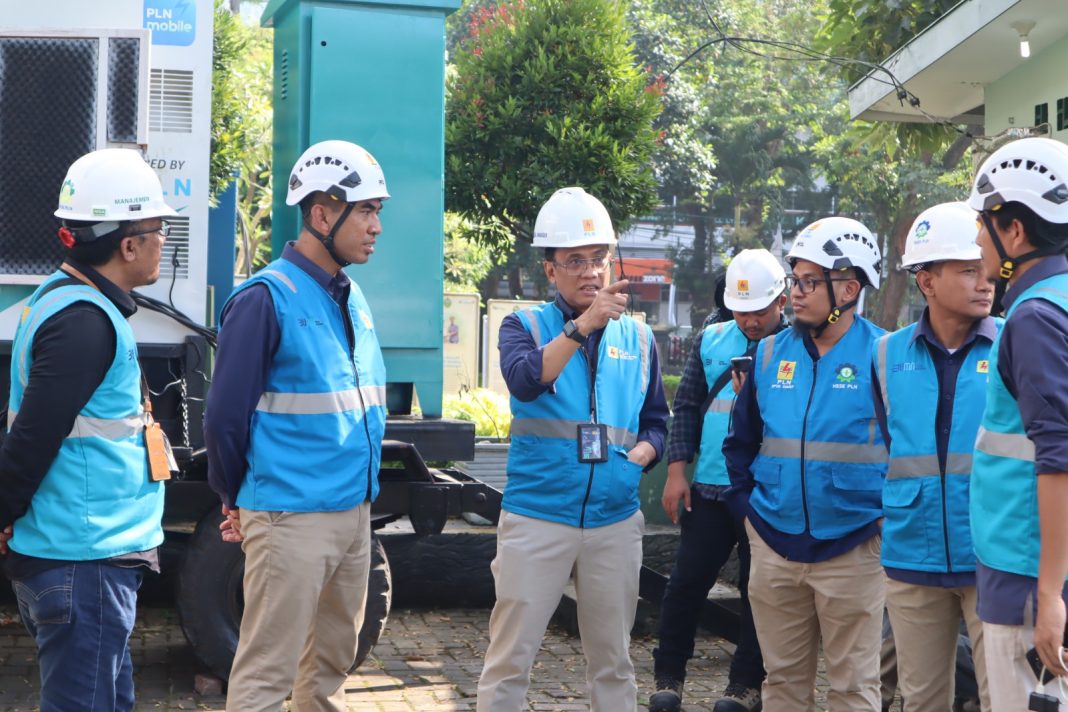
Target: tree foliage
pixel 546 94
pixel 887 173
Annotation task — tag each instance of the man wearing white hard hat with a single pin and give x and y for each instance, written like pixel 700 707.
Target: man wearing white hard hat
pixel 756 295
pixel 806 463
pixel 1019 483
pixel 80 505
pixel 589 417
pixel 930 381
pixel 293 428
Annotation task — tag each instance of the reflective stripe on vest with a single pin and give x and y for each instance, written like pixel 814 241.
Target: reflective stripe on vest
pixel 535 329
pixel 568 430
pixel 86 427
pixel 827 452
pixel 924 465
pixel 316 403
pixel 883 380
pixel 1018 447
pixel 721 405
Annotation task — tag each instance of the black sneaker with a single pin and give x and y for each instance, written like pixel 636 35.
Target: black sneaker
pixel 668 695
pixel 738 698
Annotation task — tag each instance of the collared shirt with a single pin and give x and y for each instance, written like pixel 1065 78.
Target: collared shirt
pixel 947 368
pixel 246 349
pixel 72 352
pixel 1033 363
pixel 521 362
pixel 740 448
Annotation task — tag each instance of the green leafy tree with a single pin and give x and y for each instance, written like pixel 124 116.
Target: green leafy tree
pixel 890 171
pixel 546 94
pixel 743 115
pixel 241 121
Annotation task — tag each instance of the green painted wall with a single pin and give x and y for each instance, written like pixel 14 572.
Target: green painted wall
pixel 1011 100
pixel 373 72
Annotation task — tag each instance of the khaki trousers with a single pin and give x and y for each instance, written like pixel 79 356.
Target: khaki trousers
pixel 305 591
pixel 1009 674
pixel 534 560
pixel 926 623
pixel 795 604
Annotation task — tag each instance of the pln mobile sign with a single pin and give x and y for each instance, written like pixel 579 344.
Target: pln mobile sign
pixel 173 22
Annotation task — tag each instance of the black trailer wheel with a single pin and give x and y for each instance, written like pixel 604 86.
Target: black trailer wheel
pixel 210 600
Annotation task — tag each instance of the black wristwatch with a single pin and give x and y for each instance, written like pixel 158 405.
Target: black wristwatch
pixel 572 332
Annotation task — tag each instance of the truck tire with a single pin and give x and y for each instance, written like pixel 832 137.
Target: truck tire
pixel 210 599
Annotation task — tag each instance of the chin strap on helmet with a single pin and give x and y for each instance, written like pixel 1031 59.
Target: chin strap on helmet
pixel 328 239
pixel 836 310
pixel 1008 264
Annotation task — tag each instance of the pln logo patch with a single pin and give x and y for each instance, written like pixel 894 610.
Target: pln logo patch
pixel 982 367
pixel 588 226
pixel 743 287
pixel 366 319
pixel 619 354
pixel 786 370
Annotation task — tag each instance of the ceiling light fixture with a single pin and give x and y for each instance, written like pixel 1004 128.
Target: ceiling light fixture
pixel 1023 28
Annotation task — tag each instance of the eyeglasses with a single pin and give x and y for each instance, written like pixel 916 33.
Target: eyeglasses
pixel 164 230
pixel 577 267
pixel 807 285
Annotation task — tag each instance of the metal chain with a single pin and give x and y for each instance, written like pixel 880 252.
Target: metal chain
pixel 183 385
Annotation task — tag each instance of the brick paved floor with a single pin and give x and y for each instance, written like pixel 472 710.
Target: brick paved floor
pixel 428 660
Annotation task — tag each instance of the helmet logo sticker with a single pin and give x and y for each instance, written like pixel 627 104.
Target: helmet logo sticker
pixel 588 226
pixel 743 287
pixel 921 231
pixel 66 193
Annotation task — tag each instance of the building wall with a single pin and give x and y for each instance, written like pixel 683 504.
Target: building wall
pixel 1011 100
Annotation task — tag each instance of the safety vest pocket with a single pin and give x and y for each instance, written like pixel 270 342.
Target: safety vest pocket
pixel 906 524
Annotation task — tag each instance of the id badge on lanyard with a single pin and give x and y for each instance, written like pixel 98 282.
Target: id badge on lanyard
pixel 592 437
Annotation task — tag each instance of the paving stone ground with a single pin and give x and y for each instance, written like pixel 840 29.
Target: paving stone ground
pixel 428 660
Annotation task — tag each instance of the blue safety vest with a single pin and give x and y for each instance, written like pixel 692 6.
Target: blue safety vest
pixel 822 461
pixel 925 508
pixel 315 441
pixel 719 344
pixel 96 500
pixel 545 479
pixel 1004 497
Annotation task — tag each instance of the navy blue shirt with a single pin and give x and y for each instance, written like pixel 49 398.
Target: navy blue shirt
pixel 1033 363
pixel 740 448
pixel 947 368
pixel 248 338
pixel 521 362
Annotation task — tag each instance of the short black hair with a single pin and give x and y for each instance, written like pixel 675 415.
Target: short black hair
pixel 1040 232
pixel 98 251
pixel 550 254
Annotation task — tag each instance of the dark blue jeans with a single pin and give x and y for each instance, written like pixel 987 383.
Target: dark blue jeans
pixel 708 533
pixel 81 615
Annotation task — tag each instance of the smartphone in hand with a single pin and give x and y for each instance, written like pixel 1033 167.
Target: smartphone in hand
pixel 1035 662
pixel 741 364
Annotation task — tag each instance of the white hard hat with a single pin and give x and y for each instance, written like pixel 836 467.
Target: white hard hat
pixel 340 169
pixel 1032 171
pixel 573 218
pixel 943 232
pixel 111 185
pixel 754 280
pixel 839 243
